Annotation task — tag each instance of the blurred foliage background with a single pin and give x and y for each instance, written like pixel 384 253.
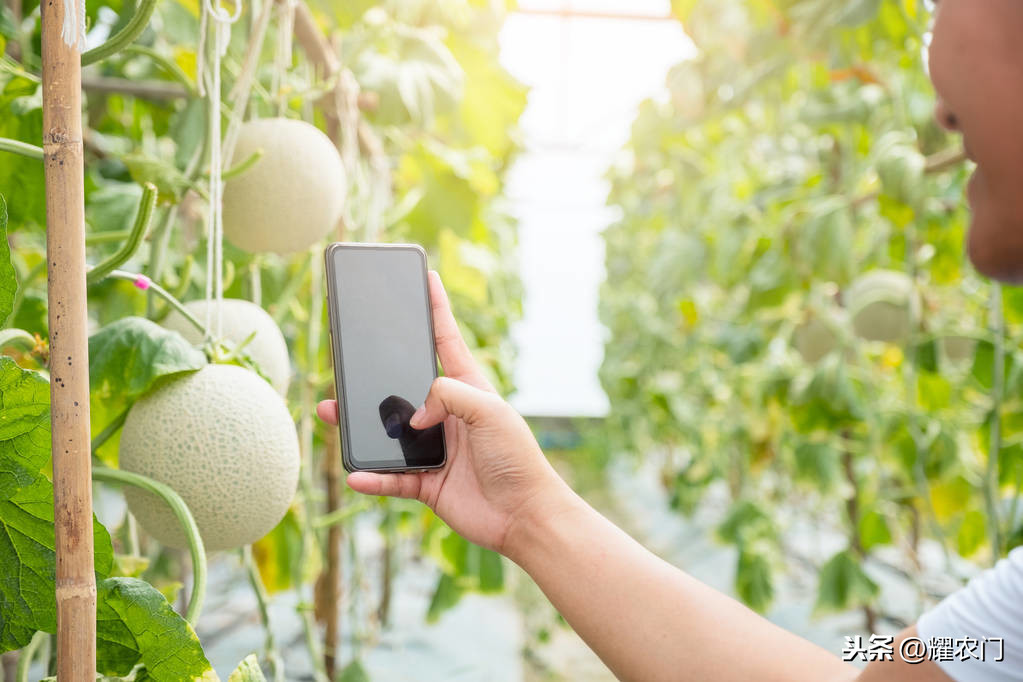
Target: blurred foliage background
pixel 793 324
pixel 795 154
pixel 424 118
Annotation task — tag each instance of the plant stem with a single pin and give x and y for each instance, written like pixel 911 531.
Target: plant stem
pixel 342 514
pixel 386 567
pixel 167 65
pixel 165 295
pixel 279 308
pixel 991 488
pixel 245 165
pixel 188 525
pixel 107 237
pixel 138 230
pixel 108 431
pixel 28 653
pixel 264 613
pixel 127 35
pixel 22 148
pixel 852 507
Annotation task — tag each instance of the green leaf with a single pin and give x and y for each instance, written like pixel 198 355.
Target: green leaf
pixel 491 571
pixel 844 585
pixel 128 357
pixel 753 580
pixel 136 624
pixel 446 595
pixel 8 280
pixel 27 558
pixel 873 529
pixel 248 671
pixel 354 672
pixel 24 426
pixel 972 533
pixel 745 523
pixel 28 563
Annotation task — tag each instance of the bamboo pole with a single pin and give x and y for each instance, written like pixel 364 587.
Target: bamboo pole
pixel 63 36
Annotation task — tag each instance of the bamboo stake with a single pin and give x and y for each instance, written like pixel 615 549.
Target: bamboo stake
pixel 63 35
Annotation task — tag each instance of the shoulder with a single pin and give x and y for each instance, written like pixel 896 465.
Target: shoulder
pixel 977 632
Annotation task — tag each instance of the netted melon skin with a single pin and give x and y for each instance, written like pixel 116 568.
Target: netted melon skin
pixel 224 440
pixel 239 319
pixel 292 197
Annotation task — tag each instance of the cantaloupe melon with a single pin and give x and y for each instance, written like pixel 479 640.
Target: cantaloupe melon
pixel 224 440
pixel 819 334
pixel 292 197
pixel 239 319
pixel 958 348
pixel 884 305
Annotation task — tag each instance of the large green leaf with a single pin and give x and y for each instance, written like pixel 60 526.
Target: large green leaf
pixel 844 585
pixel 8 281
pixel 27 557
pixel 27 588
pixel 24 426
pixel 128 357
pixel 28 563
pixel 134 623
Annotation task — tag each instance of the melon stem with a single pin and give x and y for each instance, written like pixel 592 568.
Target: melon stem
pixel 184 517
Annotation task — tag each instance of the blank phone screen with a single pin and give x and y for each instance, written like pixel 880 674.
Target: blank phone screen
pixel 384 336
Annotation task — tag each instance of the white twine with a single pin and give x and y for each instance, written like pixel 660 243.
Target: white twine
pixel 72 30
pixel 222 21
pixel 282 57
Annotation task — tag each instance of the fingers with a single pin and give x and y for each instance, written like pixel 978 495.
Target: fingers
pixel 452 397
pixel 408 486
pixel 454 354
pixel 327 411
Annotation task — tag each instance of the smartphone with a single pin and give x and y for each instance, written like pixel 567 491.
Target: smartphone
pixel 385 359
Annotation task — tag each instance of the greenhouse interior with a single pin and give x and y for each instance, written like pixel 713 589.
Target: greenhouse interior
pixel 511 340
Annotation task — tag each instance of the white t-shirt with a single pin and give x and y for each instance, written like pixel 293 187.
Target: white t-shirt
pixel 989 608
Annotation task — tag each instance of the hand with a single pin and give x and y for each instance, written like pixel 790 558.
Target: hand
pixel 496 476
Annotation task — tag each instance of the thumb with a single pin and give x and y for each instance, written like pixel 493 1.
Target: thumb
pixel 452 397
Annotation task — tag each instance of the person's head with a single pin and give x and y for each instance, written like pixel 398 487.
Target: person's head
pixel 976 63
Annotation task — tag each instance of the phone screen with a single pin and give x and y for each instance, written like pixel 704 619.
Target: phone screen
pixel 384 346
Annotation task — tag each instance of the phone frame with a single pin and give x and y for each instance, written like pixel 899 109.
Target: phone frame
pixel 337 356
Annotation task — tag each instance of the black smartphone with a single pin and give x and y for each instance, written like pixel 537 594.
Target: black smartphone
pixel 385 358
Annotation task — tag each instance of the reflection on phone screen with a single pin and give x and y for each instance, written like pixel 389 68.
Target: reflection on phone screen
pixel 387 358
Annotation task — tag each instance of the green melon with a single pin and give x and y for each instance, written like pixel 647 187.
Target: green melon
pixel 818 335
pixel 958 348
pixel 224 440
pixel 239 320
pixel 884 306
pixel 292 197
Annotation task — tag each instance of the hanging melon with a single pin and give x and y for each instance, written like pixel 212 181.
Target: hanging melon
pixel 292 196
pixel 241 319
pixel 818 334
pixel 884 306
pixel 224 440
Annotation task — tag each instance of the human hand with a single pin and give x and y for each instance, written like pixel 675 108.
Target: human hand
pixel 496 477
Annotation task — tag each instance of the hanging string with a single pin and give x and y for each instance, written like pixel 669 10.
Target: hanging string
pixel 220 20
pixel 282 57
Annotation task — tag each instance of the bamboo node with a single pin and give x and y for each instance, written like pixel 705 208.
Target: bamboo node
pixel 76 590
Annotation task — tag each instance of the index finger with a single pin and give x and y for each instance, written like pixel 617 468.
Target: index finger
pixel 454 354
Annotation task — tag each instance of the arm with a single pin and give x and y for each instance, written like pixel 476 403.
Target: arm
pixel 650 621
pixel 647 620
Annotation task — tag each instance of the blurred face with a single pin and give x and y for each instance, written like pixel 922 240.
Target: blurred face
pixel 977 67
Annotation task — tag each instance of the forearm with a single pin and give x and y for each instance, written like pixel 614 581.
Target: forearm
pixel 649 621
